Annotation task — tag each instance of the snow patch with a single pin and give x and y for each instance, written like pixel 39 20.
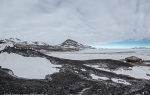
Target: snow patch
pixel 113 79
pixel 115 54
pixel 97 67
pixel 2 46
pixel 136 71
pixel 10 72
pixel 28 67
pixel 83 70
pixel 98 77
pixel 120 81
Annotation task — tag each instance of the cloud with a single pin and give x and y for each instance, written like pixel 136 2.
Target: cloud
pixel 86 21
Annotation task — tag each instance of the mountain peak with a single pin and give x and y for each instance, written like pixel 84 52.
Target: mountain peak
pixel 70 42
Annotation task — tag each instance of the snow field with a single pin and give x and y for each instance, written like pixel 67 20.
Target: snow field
pixel 27 67
pixel 113 79
pixel 115 54
pixel 136 71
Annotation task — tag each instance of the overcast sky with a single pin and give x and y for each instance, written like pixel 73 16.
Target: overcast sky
pixel 86 21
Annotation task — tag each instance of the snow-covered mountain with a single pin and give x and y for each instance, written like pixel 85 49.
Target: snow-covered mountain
pixel 15 42
pixel 18 41
pixel 69 43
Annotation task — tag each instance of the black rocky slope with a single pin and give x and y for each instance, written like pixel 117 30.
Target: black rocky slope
pixel 71 79
pixel 70 42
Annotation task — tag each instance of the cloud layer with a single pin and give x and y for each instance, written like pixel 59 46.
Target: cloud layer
pixel 86 21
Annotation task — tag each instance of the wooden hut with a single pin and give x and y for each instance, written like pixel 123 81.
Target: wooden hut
pixel 133 59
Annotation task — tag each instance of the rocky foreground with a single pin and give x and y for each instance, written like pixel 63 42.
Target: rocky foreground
pixel 73 78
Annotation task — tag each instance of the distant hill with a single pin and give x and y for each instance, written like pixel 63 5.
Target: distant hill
pixel 140 48
pixel 71 44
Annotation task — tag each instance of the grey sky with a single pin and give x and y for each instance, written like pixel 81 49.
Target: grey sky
pixel 86 21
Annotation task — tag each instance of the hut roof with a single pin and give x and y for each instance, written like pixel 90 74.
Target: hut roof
pixel 133 58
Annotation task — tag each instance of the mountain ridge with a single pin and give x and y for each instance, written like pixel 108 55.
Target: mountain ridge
pixel 67 45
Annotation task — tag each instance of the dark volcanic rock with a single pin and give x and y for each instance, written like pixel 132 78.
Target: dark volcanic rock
pixel 70 42
pixel 65 83
pixel 71 79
